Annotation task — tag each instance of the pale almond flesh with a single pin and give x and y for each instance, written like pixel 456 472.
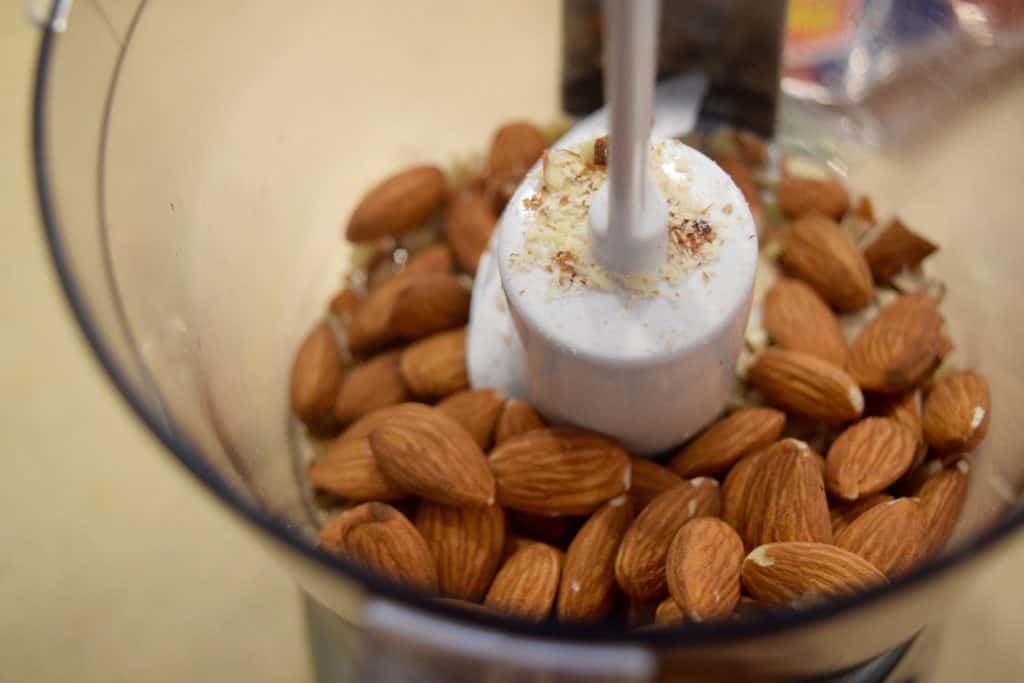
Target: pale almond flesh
pixel 703 568
pixel 957 412
pixel 467 544
pixel 526 585
pixel 891 536
pixel 784 573
pixel 588 590
pixel 868 457
pixel 727 440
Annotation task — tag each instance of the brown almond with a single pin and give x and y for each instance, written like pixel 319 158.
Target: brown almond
pixel 957 412
pixel 559 471
pixel 943 496
pixel 891 536
pixel 868 457
pixel 348 469
pixel 435 367
pixel 370 327
pixel 807 385
pixel 588 589
pixel 640 562
pixel 370 386
pixel 727 440
pixel 865 209
pixel 380 538
pixel 703 568
pixel 435 259
pixel 801 196
pixel 477 411
pixel 821 254
pixel 361 428
pixel 897 347
pixel 316 374
pixel 431 455
pixel 742 177
pixel 736 487
pixel 398 204
pixel 526 585
pixel 668 612
pixel 896 248
pixel 467 544
pixel 517 417
pixel 648 480
pixel 780 573
pixel 797 318
pixel 515 148
pixel 907 410
pixel 426 303
pixel 345 303
pixel 844 514
pixel 468 224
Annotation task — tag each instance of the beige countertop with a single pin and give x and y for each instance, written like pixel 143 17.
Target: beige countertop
pixel 117 566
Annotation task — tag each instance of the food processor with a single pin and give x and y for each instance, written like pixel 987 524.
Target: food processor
pixel 195 163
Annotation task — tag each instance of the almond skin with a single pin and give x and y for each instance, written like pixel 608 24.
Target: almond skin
pixel 668 612
pixel 800 320
pixel 868 457
pixel 821 254
pixel 891 536
pixel 801 196
pixel 780 573
pixel 786 498
pixel 380 538
pixel 348 469
pixel 648 479
pixel 844 514
pixel 640 562
pixel 736 488
pixel 426 303
pixel 477 411
pixel 316 374
pixel 515 148
pixel 467 544
pixel 368 387
pixel 468 224
pixel 431 455
pixel 703 568
pixel 362 427
pixel 588 589
pixel 517 417
pixel 436 366
pixel 898 347
pixel 957 412
pixel 807 385
pixel 398 204
pixel 943 496
pixel 435 259
pixel 526 584
pixel 895 249
pixel 344 304
pixel 726 441
pixel 908 411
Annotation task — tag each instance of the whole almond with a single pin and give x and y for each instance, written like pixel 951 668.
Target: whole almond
pixel 371 386
pixel 821 254
pixel 943 496
pixel 398 204
pixel 957 412
pixel 435 367
pixel 435 259
pixel 800 320
pixel 891 536
pixel 344 304
pixel 668 612
pixel 588 589
pixel 468 224
pixel 370 327
pixel 431 455
pixel 514 149
pixel 703 568
pixel 477 411
pixel 648 480
pixel 898 346
pixel 527 583
pixel 361 428
pixel 906 409
pixel 726 441
pixel 316 374
pixel 517 417
pixel 467 544
pixel 348 469
pixel 559 471
pixel 736 487
pixel 780 573
pixel 868 457
pixel 844 514
pixel 895 249
pixel 807 385
pixel 426 303
pixel 801 196
pixel 640 562
pixel 380 538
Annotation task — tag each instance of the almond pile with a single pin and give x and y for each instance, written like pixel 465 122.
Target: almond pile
pixel 841 463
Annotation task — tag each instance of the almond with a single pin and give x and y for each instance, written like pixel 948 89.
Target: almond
pixel 348 469
pixel 368 387
pixel 807 385
pixel 526 584
pixel 648 479
pixel 640 562
pixel 477 411
pixel 436 366
pixel 780 573
pixel 380 538
pixel 890 536
pixel 517 417
pixel 468 224
pixel 825 257
pixel 467 544
pixel 898 347
pixel 345 303
pixel 316 374
pixel 896 248
pixel 736 488
pixel 668 612
pixel 800 320
pixel 868 457
pixel 943 496
pixel 362 427
pixel 957 412
pixel 801 196
pixel 726 441
pixel 430 455
pixel 906 410
pixel 398 204
pixel 515 148
pixel 588 589
pixel 435 259
pixel 703 569
pixel 865 209
pixel 601 151
pixel 743 178
pixel 559 471
pixel 844 514
pixel 426 303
